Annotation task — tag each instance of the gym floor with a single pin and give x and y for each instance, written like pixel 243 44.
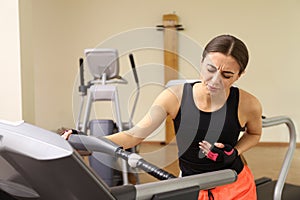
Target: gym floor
pixel 264 160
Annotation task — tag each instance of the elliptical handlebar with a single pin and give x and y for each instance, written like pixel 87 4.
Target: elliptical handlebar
pixel 82 88
pixel 137 89
pixel 133 68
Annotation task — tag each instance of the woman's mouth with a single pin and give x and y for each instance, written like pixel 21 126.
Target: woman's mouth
pixel 212 88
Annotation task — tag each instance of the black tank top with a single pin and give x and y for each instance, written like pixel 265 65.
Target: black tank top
pixel 193 126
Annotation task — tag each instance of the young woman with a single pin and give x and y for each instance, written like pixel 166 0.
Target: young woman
pixel 209 116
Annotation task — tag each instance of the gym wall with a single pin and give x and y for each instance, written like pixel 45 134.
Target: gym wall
pixel 54 34
pixel 10 71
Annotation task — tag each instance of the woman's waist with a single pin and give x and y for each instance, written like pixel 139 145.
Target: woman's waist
pixel 206 165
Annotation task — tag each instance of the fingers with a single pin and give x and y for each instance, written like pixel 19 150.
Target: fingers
pixel 219 145
pixel 205 144
pixel 218 152
pixel 66 134
pixel 205 147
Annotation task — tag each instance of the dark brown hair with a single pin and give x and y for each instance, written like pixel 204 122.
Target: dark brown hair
pixel 229 46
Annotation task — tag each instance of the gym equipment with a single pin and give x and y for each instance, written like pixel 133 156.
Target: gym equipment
pixel 39 164
pixel 266 187
pixel 278 189
pixel 86 143
pixel 103 65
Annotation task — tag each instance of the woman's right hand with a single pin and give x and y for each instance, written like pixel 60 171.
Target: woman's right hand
pixel 66 134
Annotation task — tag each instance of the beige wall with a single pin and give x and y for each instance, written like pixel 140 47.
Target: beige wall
pixel 27 61
pixel 56 32
pixel 10 74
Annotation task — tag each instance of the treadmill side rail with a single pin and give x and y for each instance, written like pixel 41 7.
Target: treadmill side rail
pixel 204 181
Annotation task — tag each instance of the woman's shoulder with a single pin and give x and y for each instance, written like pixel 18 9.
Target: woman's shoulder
pixel 174 93
pixel 176 89
pixel 248 102
pixel 247 95
pixel 170 99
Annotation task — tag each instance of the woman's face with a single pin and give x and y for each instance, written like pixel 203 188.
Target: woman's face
pixel 218 72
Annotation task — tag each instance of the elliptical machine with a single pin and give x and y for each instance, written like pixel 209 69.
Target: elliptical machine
pixel 103 65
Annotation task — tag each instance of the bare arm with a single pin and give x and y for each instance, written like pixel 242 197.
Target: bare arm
pixel 151 121
pixel 125 140
pixel 251 112
pixel 165 104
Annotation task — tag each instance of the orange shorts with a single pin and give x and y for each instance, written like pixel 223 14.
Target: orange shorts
pixel 243 189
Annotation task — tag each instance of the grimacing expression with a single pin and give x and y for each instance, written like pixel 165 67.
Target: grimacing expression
pixel 218 72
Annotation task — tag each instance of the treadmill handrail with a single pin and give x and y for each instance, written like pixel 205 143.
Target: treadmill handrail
pixel 104 145
pixel 273 121
pixel 204 181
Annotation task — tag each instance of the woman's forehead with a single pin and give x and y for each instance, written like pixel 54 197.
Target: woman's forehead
pixel 220 60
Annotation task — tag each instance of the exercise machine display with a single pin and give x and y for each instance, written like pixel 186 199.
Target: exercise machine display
pixel 39 164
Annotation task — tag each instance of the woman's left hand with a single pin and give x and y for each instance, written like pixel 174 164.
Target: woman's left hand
pixel 219 152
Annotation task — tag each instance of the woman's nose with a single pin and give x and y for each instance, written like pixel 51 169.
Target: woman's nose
pixel 216 79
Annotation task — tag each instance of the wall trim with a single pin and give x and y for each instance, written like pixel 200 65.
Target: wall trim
pixel 277 144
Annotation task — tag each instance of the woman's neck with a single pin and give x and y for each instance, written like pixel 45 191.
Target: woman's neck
pixel 206 101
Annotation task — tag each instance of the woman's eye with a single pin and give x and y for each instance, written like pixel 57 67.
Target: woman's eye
pixel 211 68
pixel 226 76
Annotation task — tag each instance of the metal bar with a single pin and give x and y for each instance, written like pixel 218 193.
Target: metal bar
pixel 273 121
pixel 204 181
pixel 78 124
pixel 86 116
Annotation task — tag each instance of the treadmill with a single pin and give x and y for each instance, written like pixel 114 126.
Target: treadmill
pixel 39 164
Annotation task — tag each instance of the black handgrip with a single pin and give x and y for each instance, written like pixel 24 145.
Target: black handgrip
pixel 133 68
pixel 82 87
pixel 154 171
pixel 122 154
pixel 81 71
